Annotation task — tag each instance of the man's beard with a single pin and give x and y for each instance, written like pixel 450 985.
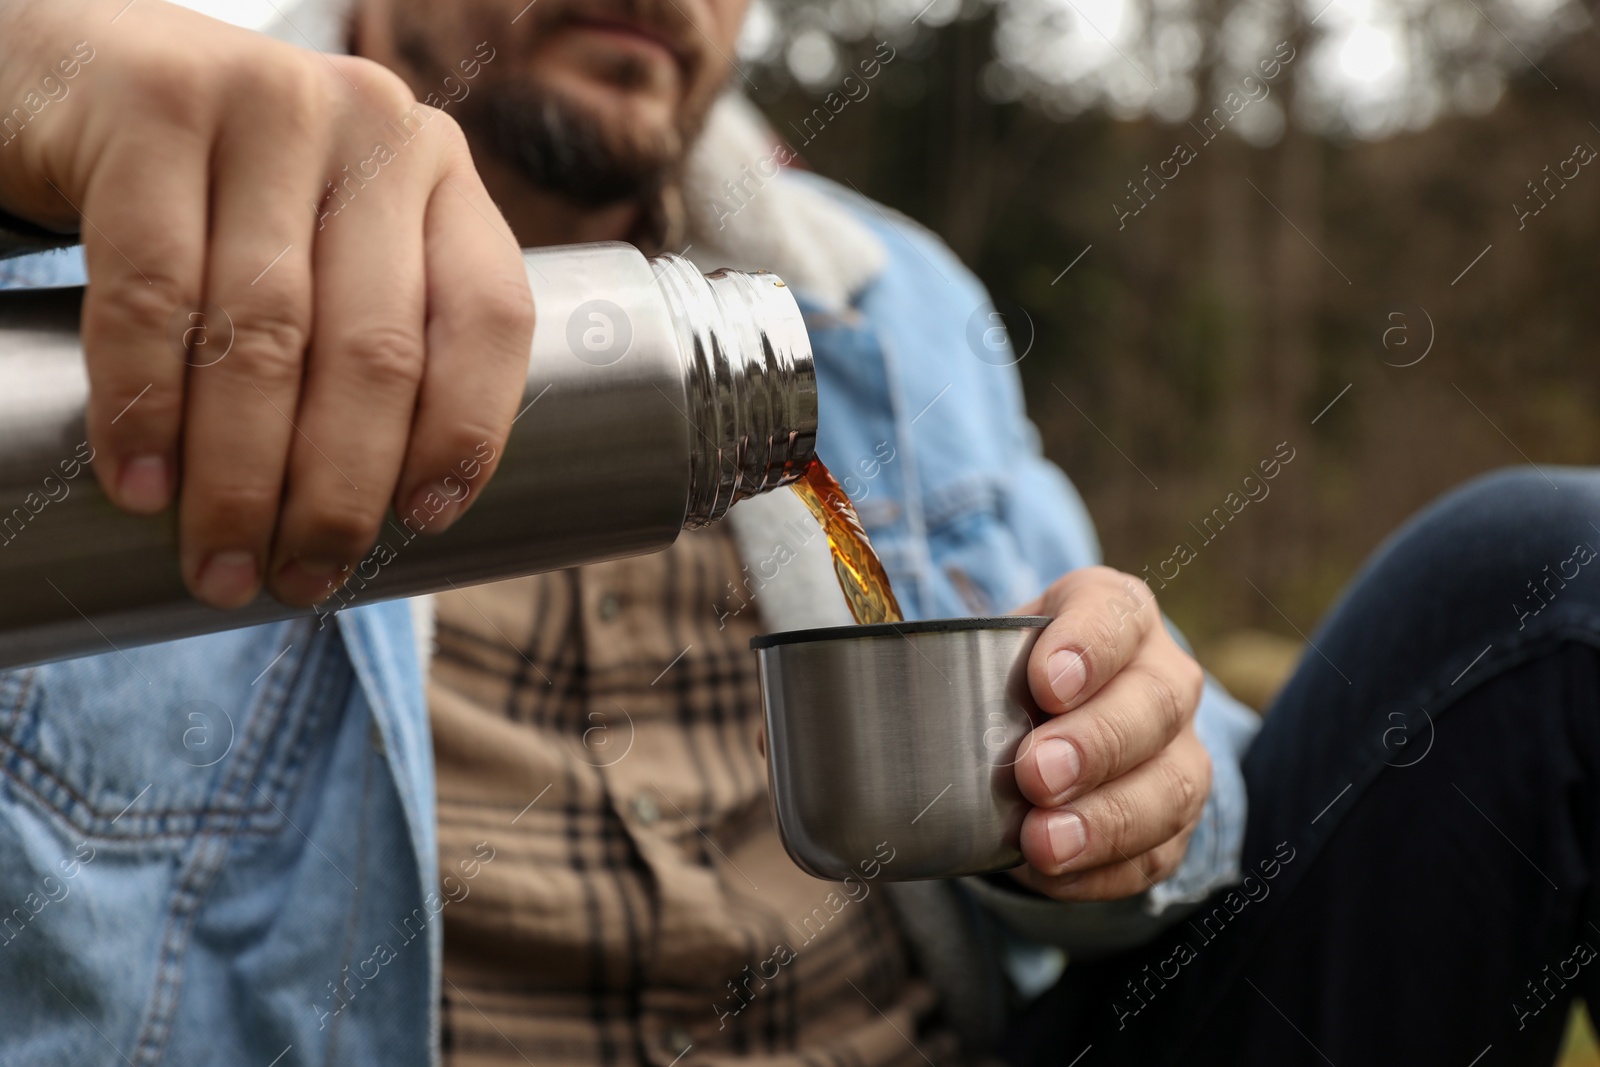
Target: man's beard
pixel 557 145
pixel 555 142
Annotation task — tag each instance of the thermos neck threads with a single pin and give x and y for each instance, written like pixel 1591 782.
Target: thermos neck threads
pixel 751 383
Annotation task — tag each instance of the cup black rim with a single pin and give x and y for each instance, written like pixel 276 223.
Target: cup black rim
pixel 900 629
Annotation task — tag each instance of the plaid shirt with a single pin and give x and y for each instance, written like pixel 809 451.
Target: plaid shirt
pixel 596 733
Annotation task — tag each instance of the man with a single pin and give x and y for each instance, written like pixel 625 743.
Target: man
pixel 593 849
pixel 601 862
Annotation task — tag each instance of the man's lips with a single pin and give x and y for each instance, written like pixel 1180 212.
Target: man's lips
pixel 633 35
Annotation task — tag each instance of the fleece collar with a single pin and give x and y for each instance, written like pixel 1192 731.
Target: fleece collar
pixel 746 212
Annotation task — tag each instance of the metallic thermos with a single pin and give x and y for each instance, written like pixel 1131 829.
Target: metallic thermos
pixel 656 398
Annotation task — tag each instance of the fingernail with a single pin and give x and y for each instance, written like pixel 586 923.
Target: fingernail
pixel 227 579
pixel 1067 836
pixel 1067 673
pixel 143 485
pixel 1058 764
pixel 433 509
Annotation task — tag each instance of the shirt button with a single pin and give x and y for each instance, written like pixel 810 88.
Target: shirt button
pixel 609 606
pixel 644 808
pixel 678 1041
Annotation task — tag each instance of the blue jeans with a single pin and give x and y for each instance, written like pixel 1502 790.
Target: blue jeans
pixel 1424 833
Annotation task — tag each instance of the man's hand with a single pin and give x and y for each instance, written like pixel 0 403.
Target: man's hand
pixel 376 330
pixel 1117 775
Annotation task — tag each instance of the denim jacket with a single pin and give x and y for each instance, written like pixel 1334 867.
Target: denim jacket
pixel 221 850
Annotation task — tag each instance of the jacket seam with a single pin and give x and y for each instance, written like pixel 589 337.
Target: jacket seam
pixel 209 851
pixel 24 770
pixel 355 908
pixel 24 688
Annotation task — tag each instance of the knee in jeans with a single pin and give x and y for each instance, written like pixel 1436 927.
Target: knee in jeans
pixel 1503 530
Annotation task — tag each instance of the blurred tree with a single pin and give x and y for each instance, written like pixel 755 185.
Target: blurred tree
pixel 1185 326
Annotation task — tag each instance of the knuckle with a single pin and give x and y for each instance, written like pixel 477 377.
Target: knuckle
pixel 1194 683
pixel 272 343
pixel 138 412
pixel 1108 746
pixel 1136 587
pixel 1202 781
pixel 174 85
pixel 346 526
pixel 446 128
pixel 1184 795
pixel 379 88
pixel 467 451
pixel 1116 819
pixel 145 308
pixel 455 467
pixel 285 78
pixel 273 368
pixel 1162 863
pixel 387 357
pixel 1100 631
pixel 229 510
pixel 1168 698
pixel 505 311
pixel 1098 574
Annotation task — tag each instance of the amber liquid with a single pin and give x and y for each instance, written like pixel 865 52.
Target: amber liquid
pixel 861 574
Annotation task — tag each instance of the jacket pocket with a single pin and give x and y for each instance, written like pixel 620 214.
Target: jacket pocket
pixel 978 567
pixel 139 745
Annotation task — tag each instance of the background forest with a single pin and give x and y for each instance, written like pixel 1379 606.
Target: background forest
pixel 1362 234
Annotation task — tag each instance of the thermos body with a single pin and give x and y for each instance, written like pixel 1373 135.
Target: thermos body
pixel 656 398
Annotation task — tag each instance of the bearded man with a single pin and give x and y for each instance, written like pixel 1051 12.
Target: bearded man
pixel 528 822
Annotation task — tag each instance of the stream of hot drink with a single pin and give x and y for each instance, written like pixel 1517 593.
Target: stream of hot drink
pixel 861 573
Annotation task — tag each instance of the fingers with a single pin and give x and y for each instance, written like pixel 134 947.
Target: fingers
pixel 1131 719
pixel 1125 878
pixel 244 383
pixel 273 355
pixel 479 334
pixel 150 192
pixel 1101 617
pixel 368 351
pixel 1137 814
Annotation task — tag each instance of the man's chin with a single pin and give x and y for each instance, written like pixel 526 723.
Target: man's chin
pixel 586 141
pixel 628 114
